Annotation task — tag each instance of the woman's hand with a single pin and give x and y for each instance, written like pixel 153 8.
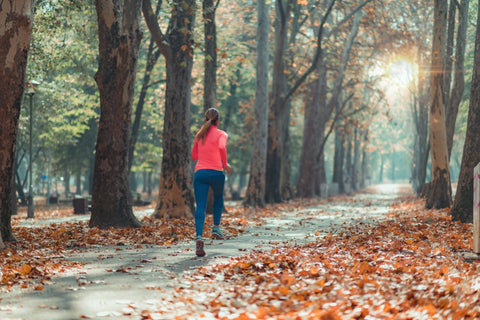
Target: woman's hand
pixel 227 168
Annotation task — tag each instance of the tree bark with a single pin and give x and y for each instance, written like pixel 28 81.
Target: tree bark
pixel 286 189
pixel 440 194
pixel 255 195
pixel 210 71
pixel 448 62
pixel 420 119
pixel 348 161
pixel 16 23
pixel 312 129
pixel 339 157
pixel 278 108
pixel 458 76
pixel 364 166
pixel 463 206
pixel 356 159
pixel 119 42
pixel 175 196
pixel 210 38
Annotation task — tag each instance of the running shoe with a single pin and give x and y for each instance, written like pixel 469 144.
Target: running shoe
pixel 199 248
pixel 217 234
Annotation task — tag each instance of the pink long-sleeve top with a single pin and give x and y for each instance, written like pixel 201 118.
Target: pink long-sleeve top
pixel 212 154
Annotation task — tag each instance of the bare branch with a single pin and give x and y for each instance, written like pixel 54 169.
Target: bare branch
pixel 157 35
pixel 317 53
pixel 349 16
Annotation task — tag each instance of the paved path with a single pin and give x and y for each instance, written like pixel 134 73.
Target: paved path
pixel 117 280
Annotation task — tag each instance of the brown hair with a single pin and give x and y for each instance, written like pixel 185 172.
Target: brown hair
pixel 211 118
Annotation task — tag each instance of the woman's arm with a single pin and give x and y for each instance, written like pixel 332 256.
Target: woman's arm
pixel 195 151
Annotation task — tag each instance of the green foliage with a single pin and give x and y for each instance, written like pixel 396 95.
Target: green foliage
pixel 63 59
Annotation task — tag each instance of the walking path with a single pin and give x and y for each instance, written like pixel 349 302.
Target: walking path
pixel 115 281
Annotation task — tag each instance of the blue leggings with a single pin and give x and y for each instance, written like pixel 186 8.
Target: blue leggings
pixel 202 180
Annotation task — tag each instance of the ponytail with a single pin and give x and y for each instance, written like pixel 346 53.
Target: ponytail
pixel 211 118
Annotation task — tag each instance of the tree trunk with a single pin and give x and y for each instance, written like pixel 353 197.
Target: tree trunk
pixel 317 113
pixel 175 195
pixel 463 206
pixel 448 62
pixel 364 166
pixel 210 38
pixel 277 108
pixel 119 42
pixel 323 117
pixel 440 194
pixel 306 179
pixel 339 156
pixel 356 172
pixel 420 117
pixel 286 189
pixel 152 58
pixel 16 23
pixel 78 183
pixel 458 76
pixel 255 195
pixel 149 189
pixel 210 72
pixel 349 162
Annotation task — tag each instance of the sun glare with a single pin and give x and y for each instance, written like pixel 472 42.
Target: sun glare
pixel 401 73
pixel 395 76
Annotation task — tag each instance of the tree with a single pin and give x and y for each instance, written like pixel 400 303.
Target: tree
pixel 67 105
pixel 152 58
pixel 16 23
pixel 439 195
pixel 317 113
pixel 256 184
pixel 210 37
pixel 463 205
pixel 279 111
pixel 456 94
pixel 175 198
pixel 278 108
pixel 418 15
pixel 119 42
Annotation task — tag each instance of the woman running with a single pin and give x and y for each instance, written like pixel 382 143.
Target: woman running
pixel 210 149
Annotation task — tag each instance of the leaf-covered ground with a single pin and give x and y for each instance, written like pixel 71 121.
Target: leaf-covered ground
pixel 407 265
pixel 40 252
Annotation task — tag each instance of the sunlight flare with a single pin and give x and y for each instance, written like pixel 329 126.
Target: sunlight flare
pixel 401 72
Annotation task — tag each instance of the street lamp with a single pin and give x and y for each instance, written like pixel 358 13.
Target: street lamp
pixel 31 86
